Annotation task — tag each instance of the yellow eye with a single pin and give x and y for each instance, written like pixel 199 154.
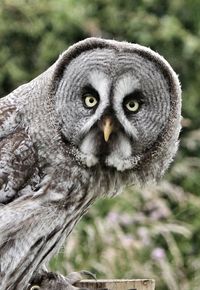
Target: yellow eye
pixel 132 105
pixel 90 101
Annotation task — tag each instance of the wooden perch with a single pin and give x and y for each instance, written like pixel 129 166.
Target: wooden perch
pixel 136 284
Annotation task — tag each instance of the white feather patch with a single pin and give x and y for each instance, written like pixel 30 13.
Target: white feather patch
pixel 88 148
pixel 125 85
pixel 101 83
pixel 120 153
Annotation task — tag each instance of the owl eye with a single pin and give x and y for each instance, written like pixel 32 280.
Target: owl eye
pixel 132 105
pixel 90 101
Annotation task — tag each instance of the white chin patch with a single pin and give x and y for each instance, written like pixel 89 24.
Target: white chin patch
pixel 119 156
pixel 120 151
pixel 88 148
pixel 90 160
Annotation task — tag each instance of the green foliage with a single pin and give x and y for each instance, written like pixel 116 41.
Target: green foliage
pixel 152 232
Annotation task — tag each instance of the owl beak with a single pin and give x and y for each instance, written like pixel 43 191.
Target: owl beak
pixel 107 127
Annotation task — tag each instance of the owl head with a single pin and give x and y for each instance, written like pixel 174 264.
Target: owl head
pixel 118 106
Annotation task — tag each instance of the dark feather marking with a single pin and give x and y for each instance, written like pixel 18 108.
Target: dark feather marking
pixel 6 245
pixel 5 113
pixel 51 248
pixel 27 269
pixel 40 250
pixel 62 231
pixel 61 234
pixel 36 244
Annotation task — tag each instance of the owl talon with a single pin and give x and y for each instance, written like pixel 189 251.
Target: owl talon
pixel 50 280
pixel 75 277
pixel 88 274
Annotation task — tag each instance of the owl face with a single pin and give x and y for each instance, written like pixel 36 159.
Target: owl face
pixel 112 106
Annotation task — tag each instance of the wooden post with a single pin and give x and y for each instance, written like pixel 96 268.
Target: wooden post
pixel 137 284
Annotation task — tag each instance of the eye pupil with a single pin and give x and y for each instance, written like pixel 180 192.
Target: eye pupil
pixel 132 104
pixel 91 100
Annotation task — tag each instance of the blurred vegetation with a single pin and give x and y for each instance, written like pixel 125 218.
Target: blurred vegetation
pixel 152 232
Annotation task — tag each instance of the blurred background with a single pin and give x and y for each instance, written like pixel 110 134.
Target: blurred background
pixel 152 232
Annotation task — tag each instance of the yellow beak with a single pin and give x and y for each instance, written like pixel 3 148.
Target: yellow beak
pixel 107 127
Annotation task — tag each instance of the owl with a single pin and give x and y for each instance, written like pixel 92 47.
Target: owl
pixel 105 115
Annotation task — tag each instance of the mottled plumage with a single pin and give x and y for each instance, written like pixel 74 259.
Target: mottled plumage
pixel 104 116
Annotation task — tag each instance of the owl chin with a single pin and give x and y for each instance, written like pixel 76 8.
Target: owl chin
pixel 94 151
pixel 116 153
pixel 111 161
pixel 89 160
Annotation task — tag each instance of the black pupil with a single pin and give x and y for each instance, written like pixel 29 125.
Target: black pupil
pixel 91 100
pixel 132 104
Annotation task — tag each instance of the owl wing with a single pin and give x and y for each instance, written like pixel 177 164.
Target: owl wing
pixel 17 154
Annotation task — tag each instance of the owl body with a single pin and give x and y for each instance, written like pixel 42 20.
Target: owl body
pixel 105 115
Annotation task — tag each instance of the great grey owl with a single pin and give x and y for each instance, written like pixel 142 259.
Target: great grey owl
pixel 105 115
